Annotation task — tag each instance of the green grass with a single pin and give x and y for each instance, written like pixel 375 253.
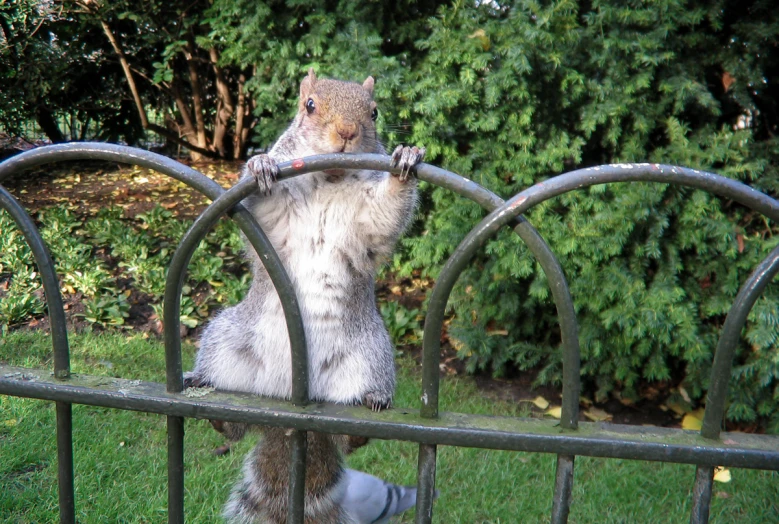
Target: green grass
pixel 120 459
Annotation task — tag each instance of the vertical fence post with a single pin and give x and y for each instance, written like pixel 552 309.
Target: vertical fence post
pixel 59 339
pixel 561 502
pixel 701 494
pixel 716 397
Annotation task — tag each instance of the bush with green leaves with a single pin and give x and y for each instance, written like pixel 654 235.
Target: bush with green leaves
pixel 512 93
pixel 100 260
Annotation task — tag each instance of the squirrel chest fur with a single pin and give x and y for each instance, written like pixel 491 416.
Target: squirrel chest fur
pixel 331 230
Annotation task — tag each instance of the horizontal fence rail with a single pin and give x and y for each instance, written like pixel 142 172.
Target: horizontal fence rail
pixel 426 426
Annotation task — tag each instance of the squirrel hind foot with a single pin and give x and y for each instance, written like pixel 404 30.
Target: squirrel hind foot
pixel 264 170
pixel 377 401
pixel 406 157
pixel 192 380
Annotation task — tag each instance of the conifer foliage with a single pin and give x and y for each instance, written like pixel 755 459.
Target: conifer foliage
pixel 511 94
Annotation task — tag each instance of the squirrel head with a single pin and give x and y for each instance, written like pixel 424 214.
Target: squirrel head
pixel 336 116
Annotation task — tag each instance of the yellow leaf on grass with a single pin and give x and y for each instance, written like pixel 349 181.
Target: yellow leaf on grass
pixel 693 420
pixel 690 421
pixel 555 412
pixel 721 474
pixel 597 415
pixel 540 402
pixel 11 422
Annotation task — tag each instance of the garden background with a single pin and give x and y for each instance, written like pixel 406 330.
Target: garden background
pixel 507 94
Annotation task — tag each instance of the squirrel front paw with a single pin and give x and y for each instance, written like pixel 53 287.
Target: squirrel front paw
pixel 377 401
pixel 406 157
pixel 264 170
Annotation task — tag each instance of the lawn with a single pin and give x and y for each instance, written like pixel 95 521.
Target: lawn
pixel 121 466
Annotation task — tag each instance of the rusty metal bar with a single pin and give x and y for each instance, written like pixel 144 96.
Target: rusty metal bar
pixel 701 494
pixel 65 484
pixel 297 477
pixel 425 484
pixel 561 501
pixel 717 395
pixel 175 470
pixel 428 427
pixel 738 450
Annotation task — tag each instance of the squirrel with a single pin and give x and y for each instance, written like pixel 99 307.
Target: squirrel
pixel 331 229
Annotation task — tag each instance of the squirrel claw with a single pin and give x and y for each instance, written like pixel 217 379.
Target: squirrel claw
pixel 264 170
pixel 377 401
pixel 193 381
pixel 406 157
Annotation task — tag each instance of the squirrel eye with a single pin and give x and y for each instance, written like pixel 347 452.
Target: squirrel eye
pixel 310 106
pixel 374 114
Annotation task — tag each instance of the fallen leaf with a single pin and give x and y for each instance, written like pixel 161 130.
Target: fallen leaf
pixel 11 422
pixel 597 415
pixel 721 474
pixel 692 422
pixel 727 81
pixel 481 35
pixel 555 412
pixel 540 402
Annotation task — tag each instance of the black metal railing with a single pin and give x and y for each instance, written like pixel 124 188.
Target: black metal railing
pixel 426 426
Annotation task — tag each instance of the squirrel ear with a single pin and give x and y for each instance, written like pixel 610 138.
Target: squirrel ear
pixel 368 85
pixel 307 85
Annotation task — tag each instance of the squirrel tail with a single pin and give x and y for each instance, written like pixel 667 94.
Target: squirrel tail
pixel 261 497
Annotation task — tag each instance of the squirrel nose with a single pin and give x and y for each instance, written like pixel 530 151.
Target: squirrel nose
pixel 347 131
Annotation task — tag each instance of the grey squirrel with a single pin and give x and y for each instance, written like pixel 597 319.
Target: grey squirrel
pixel 331 230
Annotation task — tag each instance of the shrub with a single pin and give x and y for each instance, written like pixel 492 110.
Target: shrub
pixel 512 94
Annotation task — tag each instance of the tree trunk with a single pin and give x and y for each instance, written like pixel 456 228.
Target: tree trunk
pixel 225 107
pixel 46 121
pixel 196 150
pixel 240 119
pixel 188 127
pixel 197 97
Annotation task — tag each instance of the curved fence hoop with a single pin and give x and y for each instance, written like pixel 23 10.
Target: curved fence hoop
pixel 750 291
pixel 60 348
pixel 51 288
pixel 247 223
pixel 311 418
pixel 192 178
pixel 527 199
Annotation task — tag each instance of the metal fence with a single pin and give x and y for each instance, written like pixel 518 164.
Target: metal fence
pixel 426 425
